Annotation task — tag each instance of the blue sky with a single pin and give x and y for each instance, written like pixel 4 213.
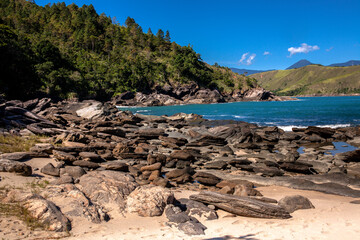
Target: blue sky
pixel 264 34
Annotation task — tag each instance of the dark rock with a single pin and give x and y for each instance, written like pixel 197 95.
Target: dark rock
pixel 322 132
pixel 206 178
pixel 293 203
pixel 208 140
pixel 182 155
pixel 87 164
pixel 192 228
pixel 49 169
pixel 90 156
pixel 194 208
pixel 352 156
pixel 180 175
pixel 296 167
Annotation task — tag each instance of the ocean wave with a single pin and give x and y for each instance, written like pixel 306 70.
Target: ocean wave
pixel 289 128
pixel 139 111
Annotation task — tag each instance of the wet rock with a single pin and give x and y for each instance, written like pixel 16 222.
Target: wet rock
pixel 149 200
pixel 108 188
pixel 49 169
pixel 296 202
pixel 15 167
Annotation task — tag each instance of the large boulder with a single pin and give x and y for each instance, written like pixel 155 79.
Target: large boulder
pixel 108 188
pixel 149 200
pixel 15 167
pixel 296 202
pixel 47 213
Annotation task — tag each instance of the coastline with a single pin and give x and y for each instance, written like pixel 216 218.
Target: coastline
pixel 102 167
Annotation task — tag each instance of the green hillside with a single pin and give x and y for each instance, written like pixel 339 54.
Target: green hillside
pixel 70 51
pixel 312 79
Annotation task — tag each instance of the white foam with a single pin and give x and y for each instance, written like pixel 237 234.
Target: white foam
pixel 289 128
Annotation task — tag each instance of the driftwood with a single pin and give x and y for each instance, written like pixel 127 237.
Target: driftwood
pixel 242 206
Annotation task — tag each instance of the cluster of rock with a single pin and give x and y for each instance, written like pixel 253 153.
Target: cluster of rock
pixel 113 160
pixel 191 94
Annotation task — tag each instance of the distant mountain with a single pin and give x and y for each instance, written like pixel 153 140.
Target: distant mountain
pixel 312 80
pixel 346 64
pixel 247 71
pixel 299 64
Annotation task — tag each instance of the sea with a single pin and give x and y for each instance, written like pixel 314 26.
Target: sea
pixel 340 111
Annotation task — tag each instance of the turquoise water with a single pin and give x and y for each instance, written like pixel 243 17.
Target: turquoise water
pixel 307 111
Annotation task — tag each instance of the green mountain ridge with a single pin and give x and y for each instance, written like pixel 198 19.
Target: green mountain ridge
pixel 311 80
pixel 68 51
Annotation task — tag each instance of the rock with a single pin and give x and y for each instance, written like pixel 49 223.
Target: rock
pixel 47 213
pixel 90 109
pixel 150 133
pixel 90 156
pixel 353 169
pixel 192 228
pixel 87 164
pixel 73 171
pixel 162 182
pixel 63 156
pixel 152 167
pixel 64 179
pixel 351 156
pixel 117 165
pixel 322 132
pixel 110 130
pixel 298 167
pixel 151 159
pixel 49 169
pixel 207 140
pixel 206 178
pixel 296 202
pixel 198 209
pixel 244 190
pixel 182 155
pixel 15 167
pixel 242 206
pixel 216 165
pixel 149 200
pixel 154 175
pixel 108 188
pixel 42 147
pixel 15 156
pixel 180 175
pixel 187 224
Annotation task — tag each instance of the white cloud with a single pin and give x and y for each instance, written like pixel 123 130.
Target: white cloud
pixel 250 59
pixel 266 53
pixel 243 57
pixel 303 49
pixel 329 49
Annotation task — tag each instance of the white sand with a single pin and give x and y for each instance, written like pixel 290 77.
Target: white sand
pixel 334 217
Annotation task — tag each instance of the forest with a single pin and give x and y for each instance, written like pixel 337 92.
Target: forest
pixel 67 51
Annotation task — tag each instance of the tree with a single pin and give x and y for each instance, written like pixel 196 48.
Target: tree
pixel 167 36
pixel 150 32
pixel 160 34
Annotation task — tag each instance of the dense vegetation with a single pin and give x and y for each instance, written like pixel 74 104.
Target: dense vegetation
pixel 70 51
pixel 312 80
